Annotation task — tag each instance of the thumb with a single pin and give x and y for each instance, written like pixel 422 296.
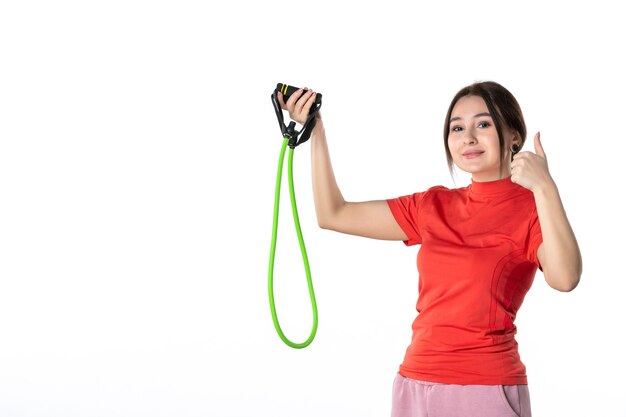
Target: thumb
pixel 538 147
pixel 281 101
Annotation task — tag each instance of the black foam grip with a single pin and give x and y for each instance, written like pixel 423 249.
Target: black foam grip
pixel 291 89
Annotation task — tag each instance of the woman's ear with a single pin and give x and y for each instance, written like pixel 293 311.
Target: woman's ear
pixel 516 143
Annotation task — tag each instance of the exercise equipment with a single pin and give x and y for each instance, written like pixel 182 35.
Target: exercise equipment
pixel 291 138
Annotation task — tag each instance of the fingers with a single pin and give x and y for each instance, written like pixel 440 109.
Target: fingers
pixel 290 102
pixel 522 158
pixel 294 98
pixel 309 103
pixel 302 104
pixel 515 163
pixel 299 104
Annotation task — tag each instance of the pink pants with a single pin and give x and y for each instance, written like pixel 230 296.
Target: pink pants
pixel 413 398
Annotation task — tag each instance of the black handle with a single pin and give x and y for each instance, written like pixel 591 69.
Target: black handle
pixel 288 90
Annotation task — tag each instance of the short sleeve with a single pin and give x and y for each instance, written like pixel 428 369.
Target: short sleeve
pixel 406 211
pixel 535 239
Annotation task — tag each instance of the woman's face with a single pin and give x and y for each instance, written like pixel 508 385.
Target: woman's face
pixel 473 141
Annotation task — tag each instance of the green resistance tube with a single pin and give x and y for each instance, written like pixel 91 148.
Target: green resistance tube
pixel 270 279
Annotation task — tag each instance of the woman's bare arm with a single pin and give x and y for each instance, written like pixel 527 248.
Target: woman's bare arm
pixel 371 219
pixel 558 254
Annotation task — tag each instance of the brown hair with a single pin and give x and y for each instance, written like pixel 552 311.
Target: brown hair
pixel 503 107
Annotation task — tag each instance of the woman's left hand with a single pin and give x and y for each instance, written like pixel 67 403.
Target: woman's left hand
pixel 530 170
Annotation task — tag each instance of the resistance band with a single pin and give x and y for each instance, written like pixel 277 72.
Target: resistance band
pixel 290 136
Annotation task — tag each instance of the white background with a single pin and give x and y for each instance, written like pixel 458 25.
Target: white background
pixel 138 161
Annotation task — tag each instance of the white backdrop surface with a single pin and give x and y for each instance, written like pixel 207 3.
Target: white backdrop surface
pixel 138 153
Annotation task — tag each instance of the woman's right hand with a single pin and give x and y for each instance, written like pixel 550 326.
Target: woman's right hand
pixel 298 105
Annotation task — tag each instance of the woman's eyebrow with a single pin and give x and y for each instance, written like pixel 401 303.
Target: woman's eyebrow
pixel 478 115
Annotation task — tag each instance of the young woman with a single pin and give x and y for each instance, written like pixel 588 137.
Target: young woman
pixel 481 246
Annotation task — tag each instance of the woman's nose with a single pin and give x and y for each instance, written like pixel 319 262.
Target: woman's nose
pixel 468 136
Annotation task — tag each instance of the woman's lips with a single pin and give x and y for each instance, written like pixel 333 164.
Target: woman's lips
pixel 472 154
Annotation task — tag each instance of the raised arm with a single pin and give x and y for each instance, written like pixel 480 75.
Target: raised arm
pixel 372 219
pixel 559 253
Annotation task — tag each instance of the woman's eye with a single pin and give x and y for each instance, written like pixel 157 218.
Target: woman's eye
pixel 456 129
pixel 484 124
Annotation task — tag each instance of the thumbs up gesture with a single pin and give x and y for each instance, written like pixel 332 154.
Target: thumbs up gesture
pixel 530 170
